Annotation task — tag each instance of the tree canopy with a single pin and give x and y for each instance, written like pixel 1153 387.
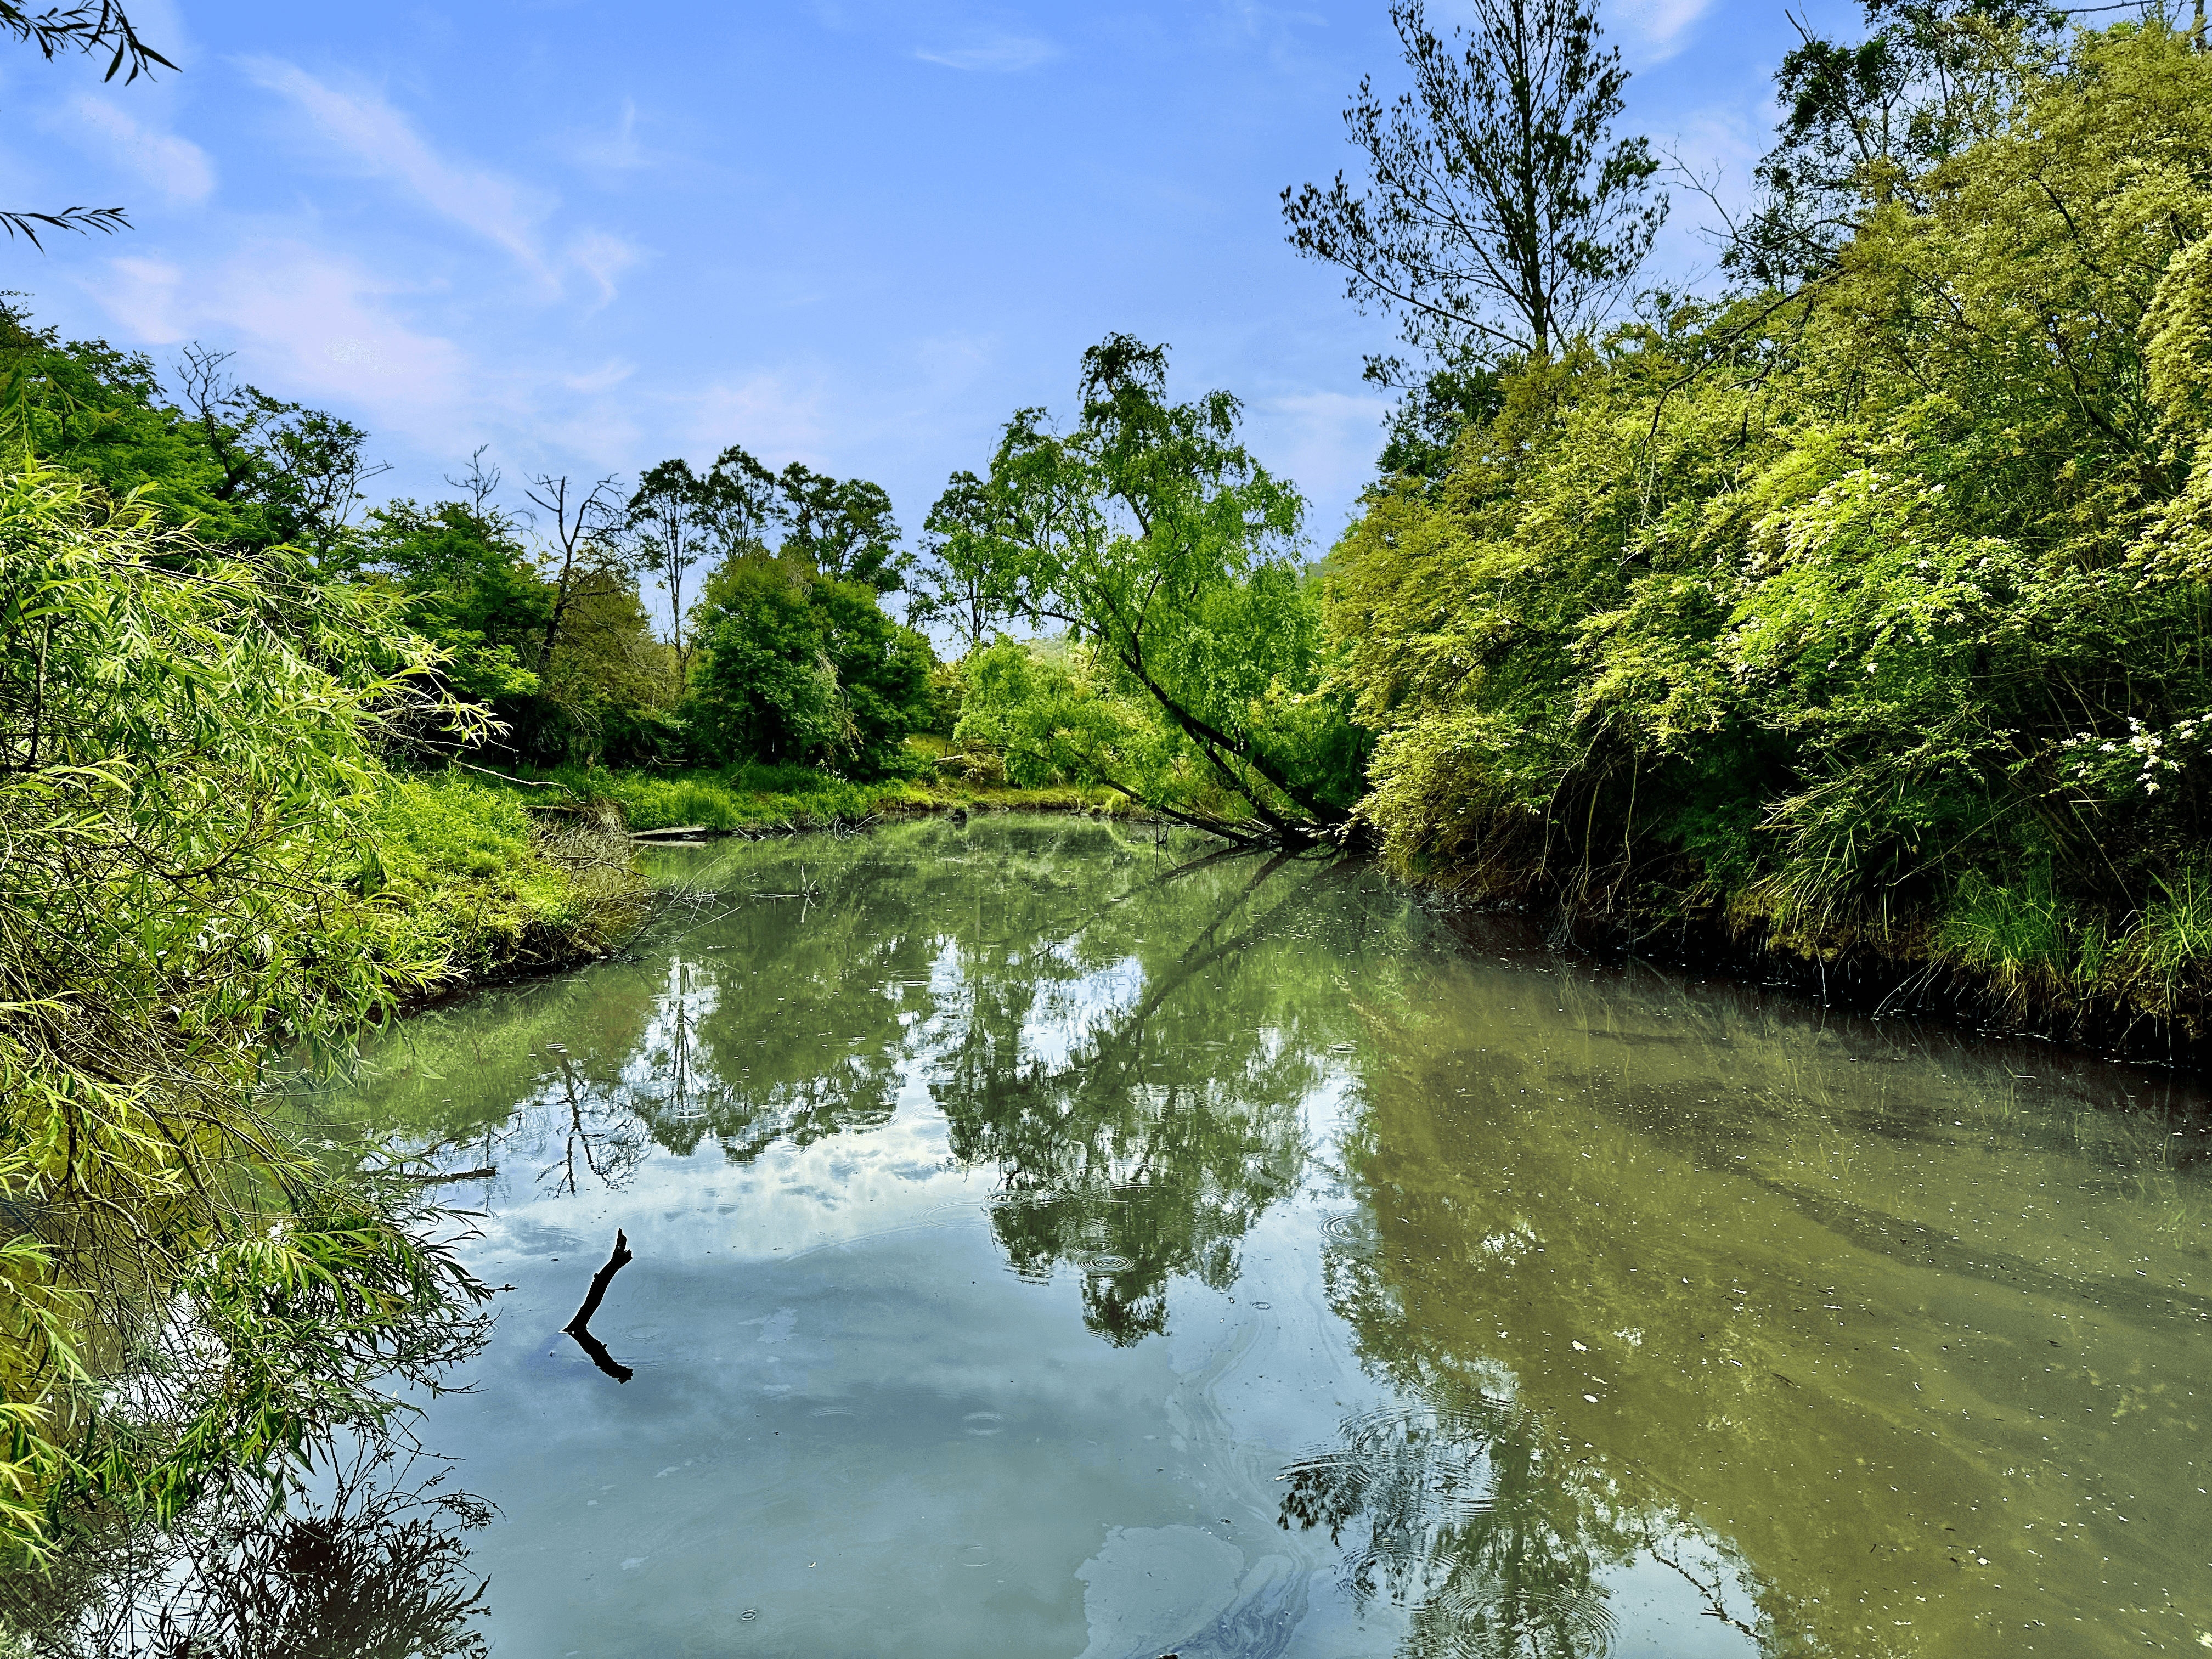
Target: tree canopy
pixel 1155 537
pixel 1503 216
pixel 797 667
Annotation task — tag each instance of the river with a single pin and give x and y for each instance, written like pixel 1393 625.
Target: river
pixel 1052 1240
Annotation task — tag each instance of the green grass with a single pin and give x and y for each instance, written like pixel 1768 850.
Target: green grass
pixel 461 867
pixel 755 798
pixel 2035 949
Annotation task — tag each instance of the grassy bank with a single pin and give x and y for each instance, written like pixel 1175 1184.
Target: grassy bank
pixel 462 871
pixel 763 800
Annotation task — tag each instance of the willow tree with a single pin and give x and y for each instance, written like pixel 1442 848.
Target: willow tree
pixel 188 764
pixel 93 29
pixel 1155 537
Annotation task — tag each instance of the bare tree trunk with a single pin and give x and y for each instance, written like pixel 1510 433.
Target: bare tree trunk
pixel 577 525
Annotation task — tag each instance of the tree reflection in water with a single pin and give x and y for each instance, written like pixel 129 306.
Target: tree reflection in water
pixel 1148 1138
pixel 376 1569
pixel 1468 1510
pixel 1125 1038
pixel 1468 1522
pixel 1121 1028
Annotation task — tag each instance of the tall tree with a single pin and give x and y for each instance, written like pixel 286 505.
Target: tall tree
pixel 1864 119
pixel 1151 531
pixel 472 590
pixel 91 27
pixel 970 574
pixel 581 561
pixel 1503 216
pixel 305 466
pixel 744 502
pixel 671 523
pixel 843 526
pixel 795 667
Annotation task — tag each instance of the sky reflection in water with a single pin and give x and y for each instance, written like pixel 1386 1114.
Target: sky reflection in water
pixel 1052 1241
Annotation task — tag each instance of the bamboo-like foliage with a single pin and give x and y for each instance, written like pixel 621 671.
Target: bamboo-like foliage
pixel 1872 616
pixel 186 756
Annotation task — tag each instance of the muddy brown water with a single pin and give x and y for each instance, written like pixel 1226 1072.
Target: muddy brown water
pixel 1052 1241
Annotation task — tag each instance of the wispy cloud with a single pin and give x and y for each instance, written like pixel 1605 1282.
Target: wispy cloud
pixel 176 166
pixel 606 376
pixel 375 137
pixel 995 54
pixel 761 412
pixel 1661 25
pixel 314 323
pixel 602 256
pixel 613 150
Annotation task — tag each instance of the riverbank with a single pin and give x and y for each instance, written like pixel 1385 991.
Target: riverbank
pixel 2135 1018
pixel 516 876
pixel 1792 619
pixel 2144 1000
pixel 472 875
pixel 775 800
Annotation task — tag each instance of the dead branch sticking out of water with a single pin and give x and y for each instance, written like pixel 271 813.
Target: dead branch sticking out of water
pixel 580 1326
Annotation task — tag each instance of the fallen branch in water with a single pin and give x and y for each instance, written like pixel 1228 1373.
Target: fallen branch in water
pixel 580 1326
pixel 484 1174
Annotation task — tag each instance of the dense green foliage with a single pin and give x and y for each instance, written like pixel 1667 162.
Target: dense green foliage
pixel 1046 721
pixel 740 798
pixel 1151 534
pixel 188 769
pixel 460 872
pixel 246 470
pixel 797 668
pixel 1872 614
pixel 571 672
pixel 209 861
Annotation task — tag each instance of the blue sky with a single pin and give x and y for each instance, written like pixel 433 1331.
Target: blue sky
pixel 856 235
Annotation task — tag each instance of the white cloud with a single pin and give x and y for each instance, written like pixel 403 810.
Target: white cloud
pixel 305 324
pixel 995 54
pixel 144 298
pixel 775 421
pixel 384 144
pixel 605 376
pixel 176 166
pixel 618 151
pixel 602 256
pixel 1661 24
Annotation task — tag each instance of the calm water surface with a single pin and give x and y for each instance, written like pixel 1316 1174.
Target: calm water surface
pixel 1051 1241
